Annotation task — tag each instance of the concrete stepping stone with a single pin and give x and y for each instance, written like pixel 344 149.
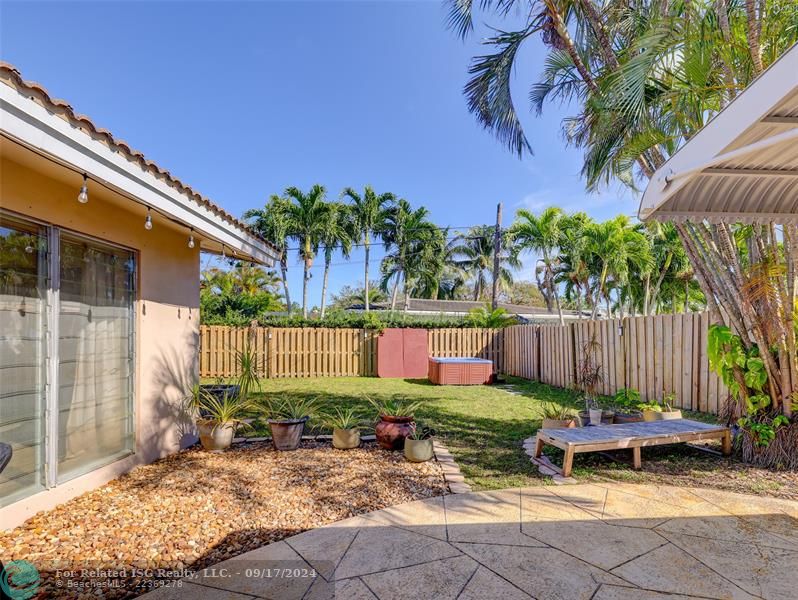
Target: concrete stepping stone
pixel 324 548
pixel 614 592
pixel 231 575
pixel 486 517
pixel 486 584
pixel 191 590
pixel 426 517
pixel 541 572
pixel 672 570
pixel 349 589
pixel 382 548
pixel 763 572
pixel 553 521
pixel 438 580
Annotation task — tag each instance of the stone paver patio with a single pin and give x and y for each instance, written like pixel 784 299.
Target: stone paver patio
pixel 615 541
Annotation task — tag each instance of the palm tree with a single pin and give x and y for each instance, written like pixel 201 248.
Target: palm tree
pixel 249 279
pixel 404 229
pixel 337 233
pixel 368 210
pixel 541 234
pixel 619 249
pixel 476 259
pixel 271 223
pixel 573 270
pixel 674 65
pixel 305 214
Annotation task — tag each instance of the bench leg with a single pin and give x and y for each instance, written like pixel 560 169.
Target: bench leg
pixel 727 443
pixel 637 458
pixel 568 461
pixel 538 448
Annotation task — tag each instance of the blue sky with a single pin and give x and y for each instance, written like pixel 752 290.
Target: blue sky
pixel 241 99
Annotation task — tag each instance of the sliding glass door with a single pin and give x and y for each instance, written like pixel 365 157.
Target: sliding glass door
pixel 66 355
pixel 23 294
pixel 95 355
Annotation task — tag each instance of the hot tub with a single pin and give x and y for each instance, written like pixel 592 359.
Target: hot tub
pixel 460 371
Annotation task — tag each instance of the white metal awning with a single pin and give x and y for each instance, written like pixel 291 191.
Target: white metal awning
pixel 743 165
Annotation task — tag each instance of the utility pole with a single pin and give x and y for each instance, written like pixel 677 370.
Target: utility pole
pixel 497 251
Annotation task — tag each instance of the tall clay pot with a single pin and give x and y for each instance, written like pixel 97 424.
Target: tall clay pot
pixel 286 435
pixel 214 436
pixel 391 431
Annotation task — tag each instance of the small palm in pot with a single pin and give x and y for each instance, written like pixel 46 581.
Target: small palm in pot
pixel 287 416
pixel 345 424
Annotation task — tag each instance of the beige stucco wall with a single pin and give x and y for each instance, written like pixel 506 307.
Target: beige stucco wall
pixel 167 313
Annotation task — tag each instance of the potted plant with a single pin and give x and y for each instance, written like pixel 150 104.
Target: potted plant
pixel 396 421
pixel 589 376
pixel 216 416
pixel 556 416
pixel 661 411
pixel 418 445
pixel 286 416
pixel 627 401
pixel 344 424
pixel 246 360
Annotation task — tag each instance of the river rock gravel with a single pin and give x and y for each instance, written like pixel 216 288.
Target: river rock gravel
pixel 196 508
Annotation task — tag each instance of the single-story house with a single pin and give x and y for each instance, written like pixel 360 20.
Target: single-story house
pixel 460 308
pixel 99 300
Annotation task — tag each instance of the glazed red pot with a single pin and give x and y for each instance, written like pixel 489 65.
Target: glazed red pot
pixel 392 431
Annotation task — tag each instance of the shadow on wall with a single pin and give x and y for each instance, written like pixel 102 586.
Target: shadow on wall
pixel 166 427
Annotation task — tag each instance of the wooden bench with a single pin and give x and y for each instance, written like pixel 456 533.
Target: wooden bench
pixel 628 435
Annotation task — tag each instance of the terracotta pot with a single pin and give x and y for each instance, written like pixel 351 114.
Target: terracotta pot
pixel 214 436
pixel 418 450
pixel 344 439
pixel 391 431
pixel 558 423
pixel 286 435
pixel 634 417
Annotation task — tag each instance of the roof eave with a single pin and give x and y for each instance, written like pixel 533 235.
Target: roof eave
pixel 30 123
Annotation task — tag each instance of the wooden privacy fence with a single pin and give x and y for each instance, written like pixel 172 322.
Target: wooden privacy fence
pixel 323 352
pixel 656 355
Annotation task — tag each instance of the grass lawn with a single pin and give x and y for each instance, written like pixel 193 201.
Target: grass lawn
pixel 484 427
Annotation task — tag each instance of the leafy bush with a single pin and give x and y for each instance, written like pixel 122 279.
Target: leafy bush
pixel 372 320
pixel 397 406
pixel 289 408
pixel 484 316
pixel 343 419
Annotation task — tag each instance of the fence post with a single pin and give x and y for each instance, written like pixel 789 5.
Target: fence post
pixel 270 354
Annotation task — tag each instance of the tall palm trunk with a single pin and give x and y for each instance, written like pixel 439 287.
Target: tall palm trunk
pixel 327 261
pixel 600 32
pixel 284 272
pixel 407 294
pixel 367 244
pixel 570 46
pixel 753 30
pixel 395 291
pixel 305 289
pixel 552 287
pixel 602 280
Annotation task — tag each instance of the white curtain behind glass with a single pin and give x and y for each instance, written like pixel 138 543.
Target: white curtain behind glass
pixel 95 355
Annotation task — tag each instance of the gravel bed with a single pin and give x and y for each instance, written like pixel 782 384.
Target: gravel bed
pixel 196 508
